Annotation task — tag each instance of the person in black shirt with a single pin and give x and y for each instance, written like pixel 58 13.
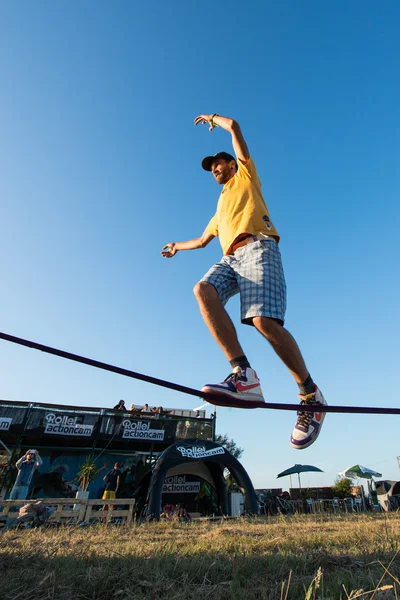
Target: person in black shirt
pixel 120 405
pixel 112 480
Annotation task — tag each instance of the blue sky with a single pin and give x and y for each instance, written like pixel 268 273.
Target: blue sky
pixel 101 168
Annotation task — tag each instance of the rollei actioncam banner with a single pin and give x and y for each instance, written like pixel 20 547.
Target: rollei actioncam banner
pixel 12 418
pixel 198 452
pixel 37 420
pixel 66 425
pixel 178 485
pixel 5 423
pixel 141 430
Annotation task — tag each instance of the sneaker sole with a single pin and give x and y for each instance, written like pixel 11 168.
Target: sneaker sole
pixel 234 395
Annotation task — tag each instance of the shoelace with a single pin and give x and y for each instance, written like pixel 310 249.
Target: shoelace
pixel 233 376
pixel 305 418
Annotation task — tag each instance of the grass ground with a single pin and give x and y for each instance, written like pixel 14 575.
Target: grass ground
pixel 286 558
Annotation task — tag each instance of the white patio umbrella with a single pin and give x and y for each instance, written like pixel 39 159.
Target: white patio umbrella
pixel 358 471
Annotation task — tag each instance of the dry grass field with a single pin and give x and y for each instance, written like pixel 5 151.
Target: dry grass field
pixel 303 557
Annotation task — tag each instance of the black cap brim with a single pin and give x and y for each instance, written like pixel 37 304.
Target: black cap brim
pixel 207 162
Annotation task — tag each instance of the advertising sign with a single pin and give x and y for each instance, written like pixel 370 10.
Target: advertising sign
pixel 5 423
pixel 197 452
pixel 141 430
pixel 178 485
pixel 56 424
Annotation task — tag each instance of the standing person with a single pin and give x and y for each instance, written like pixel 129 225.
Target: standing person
pixel 159 412
pixel 252 267
pixel 120 406
pixel 26 466
pixel 112 480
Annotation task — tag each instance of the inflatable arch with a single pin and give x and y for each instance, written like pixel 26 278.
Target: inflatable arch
pixel 206 460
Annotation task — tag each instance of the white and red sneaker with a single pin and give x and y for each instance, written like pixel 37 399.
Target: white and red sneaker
pixel 242 384
pixel 308 424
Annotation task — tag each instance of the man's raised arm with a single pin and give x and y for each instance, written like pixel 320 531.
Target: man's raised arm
pixel 238 141
pixel 170 249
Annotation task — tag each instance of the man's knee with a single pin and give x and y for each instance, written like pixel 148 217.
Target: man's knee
pixel 203 290
pixel 266 325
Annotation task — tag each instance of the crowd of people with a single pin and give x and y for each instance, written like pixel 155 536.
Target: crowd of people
pixel 138 410
pixel 153 412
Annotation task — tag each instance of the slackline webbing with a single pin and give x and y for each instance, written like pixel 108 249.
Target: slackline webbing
pixel 217 399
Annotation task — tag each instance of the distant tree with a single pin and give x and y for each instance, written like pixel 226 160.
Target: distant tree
pixel 229 444
pixel 342 487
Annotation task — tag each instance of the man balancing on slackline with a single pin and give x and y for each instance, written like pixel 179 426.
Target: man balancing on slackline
pixel 252 267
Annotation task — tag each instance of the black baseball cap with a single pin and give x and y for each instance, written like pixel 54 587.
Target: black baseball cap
pixel 208 160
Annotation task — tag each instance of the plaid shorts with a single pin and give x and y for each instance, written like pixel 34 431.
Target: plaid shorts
pixel 255 272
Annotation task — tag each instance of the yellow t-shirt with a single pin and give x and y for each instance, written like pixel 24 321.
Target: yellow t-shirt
pixel 241 208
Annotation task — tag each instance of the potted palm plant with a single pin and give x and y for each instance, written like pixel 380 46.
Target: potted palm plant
pixel 86 474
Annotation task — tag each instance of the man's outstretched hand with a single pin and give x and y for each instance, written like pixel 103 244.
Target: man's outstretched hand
pixel 205 119
pixel 169 250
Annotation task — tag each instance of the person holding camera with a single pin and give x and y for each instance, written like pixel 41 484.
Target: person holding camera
pixel 26 466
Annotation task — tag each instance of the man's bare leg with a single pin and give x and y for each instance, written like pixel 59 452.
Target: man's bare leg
pixel 217 319
pixel 284 345
pixel 243 383
pixel 223 330
pixel 308 424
